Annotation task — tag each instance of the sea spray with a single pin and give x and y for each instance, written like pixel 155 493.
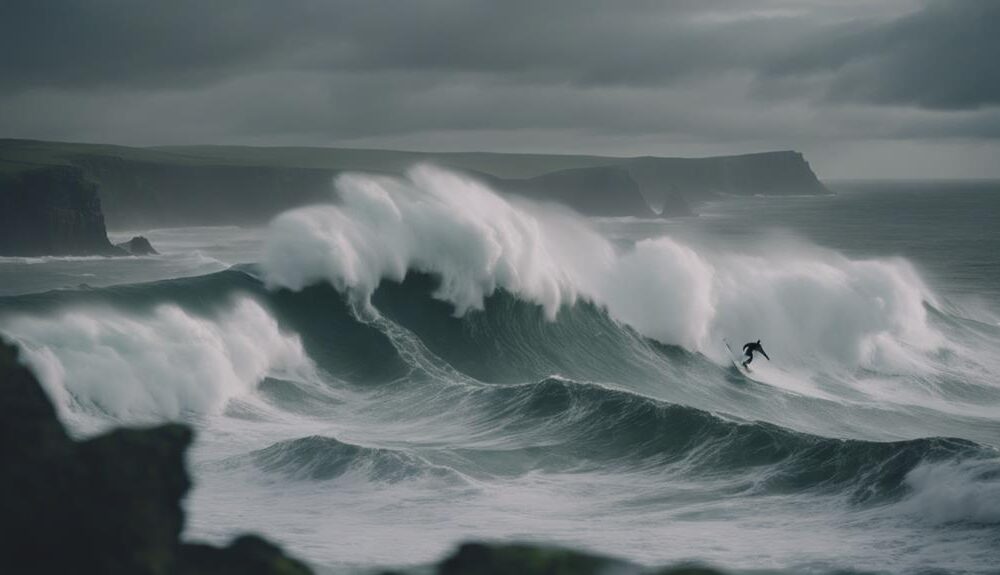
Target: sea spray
pixel 159 365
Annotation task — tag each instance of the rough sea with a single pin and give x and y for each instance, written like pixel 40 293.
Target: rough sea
pixel 425 362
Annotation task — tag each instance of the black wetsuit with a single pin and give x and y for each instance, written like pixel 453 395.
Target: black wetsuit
pixel 750 348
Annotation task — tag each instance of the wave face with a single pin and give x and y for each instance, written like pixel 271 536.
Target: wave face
pixel 426 362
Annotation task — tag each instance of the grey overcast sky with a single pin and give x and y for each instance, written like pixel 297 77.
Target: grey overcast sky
pixel 880 88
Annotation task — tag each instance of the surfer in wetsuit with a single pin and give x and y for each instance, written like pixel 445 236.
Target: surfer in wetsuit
pixel 749 349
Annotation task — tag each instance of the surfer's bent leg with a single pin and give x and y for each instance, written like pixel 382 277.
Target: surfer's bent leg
pixel 748 359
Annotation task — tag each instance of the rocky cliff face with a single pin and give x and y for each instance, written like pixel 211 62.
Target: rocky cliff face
pixel 645 187
pixel 664 180
pixel 51 210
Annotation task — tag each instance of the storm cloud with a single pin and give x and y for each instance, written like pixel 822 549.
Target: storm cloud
pixel 942 57
pixel 622 78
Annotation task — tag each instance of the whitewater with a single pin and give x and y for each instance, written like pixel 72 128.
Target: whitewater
pixel 422 361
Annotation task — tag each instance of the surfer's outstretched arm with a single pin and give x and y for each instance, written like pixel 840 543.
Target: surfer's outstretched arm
pixel 765 355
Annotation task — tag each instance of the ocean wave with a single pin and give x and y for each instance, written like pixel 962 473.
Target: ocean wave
pixel 189 346
pixel 591 427
pixel 320 458
pixel 955 491
pixel 816 306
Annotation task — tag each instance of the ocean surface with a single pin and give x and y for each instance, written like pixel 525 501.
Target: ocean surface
pixel 426 362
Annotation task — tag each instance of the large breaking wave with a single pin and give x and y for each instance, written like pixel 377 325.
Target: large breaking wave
pixel 809 303
pixel 161 364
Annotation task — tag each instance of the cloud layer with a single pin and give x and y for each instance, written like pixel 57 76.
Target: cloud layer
pixel 627 77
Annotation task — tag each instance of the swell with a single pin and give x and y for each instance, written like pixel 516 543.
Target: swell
pixel 564 429
pixel 320 458
pixel 587 427
pixel 510 340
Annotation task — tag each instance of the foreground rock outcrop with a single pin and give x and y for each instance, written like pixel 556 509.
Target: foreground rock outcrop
pixel 510 559
pixel 51 210
pixel 110 504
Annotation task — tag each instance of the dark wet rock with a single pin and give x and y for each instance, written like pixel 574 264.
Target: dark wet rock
pixel 110 504
pixel 522 559
pixel 482 559
pixel 246 554
pixel 138 246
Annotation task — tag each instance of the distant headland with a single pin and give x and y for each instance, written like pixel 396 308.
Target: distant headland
pixel 57 198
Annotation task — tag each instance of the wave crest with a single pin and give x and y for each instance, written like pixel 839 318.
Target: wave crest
pixel 155 366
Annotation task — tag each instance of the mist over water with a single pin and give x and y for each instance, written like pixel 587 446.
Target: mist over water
pixel 425 361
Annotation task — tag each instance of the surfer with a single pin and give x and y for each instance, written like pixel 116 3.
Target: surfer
pixel 749 349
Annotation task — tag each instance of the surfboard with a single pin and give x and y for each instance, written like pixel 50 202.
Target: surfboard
pixel 735 359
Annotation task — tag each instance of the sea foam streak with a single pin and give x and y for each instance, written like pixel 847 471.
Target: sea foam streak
pixel 161 365
pixel 814 305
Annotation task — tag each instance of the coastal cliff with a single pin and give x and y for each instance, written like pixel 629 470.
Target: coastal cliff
pixel 650 186
pixel 51 210
pixel 670 181
pixel 605 191
pixel 220 185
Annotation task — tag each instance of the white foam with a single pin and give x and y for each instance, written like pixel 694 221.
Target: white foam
pixel 156 366
pixel 951 491
pixel 49 259
pixel 811 304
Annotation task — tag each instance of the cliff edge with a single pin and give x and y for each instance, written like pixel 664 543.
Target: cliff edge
pixel 664 180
